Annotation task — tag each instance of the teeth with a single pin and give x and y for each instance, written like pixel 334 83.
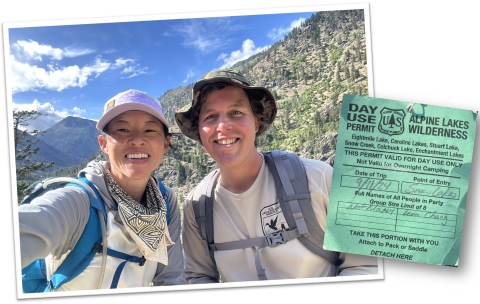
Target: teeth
pixel 226 141
pixel 143 155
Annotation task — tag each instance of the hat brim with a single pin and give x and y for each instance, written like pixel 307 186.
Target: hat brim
pixel 198 86
pixel 131 106
pixel 183 116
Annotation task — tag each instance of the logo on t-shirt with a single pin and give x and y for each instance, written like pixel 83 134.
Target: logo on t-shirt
pixel 272 219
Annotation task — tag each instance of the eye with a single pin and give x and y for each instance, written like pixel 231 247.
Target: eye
pixel 152 131
pixel 121 130
pixel 211 116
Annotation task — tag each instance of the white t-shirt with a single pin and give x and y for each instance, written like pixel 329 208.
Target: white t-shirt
pixel 255 213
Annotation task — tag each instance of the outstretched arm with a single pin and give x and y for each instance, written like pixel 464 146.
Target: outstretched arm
pixel 52 223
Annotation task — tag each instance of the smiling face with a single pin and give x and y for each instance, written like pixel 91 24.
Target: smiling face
pixel 135 144
pixel 227 128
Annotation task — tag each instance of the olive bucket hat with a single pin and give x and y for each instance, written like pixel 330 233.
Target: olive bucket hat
pixel 186 115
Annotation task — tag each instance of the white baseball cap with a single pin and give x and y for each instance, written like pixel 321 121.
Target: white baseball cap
pixel 129 101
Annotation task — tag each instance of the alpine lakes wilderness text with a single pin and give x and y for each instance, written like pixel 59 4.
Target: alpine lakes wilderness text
pixel 363 118
pixel 368 145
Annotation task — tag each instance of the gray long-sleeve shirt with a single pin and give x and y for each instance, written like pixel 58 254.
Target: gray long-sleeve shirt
pixel 52 224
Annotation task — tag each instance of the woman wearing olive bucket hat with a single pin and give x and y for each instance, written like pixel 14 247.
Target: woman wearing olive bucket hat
pixel 135 137
pixel 226 117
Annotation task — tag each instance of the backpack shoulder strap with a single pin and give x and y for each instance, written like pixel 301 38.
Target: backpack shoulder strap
pixel 92 237
pixel 294 196
pixel 92 241
pixel 78 259
pixel 203 208
pixel 163 190
pixel 94 196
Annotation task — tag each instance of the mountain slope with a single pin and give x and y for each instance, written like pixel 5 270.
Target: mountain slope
pixel 308 72
pixel 48 153
pixel 73 136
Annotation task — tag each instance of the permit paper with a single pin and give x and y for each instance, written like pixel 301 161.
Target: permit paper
pixel 400 180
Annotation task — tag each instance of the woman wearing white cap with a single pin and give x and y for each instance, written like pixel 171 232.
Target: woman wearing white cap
pixel 135 137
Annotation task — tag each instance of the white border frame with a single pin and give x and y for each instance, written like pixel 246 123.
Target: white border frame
pixel 10 25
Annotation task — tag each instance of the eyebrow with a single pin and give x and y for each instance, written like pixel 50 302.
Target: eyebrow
pixel 235 104
pixel 157 122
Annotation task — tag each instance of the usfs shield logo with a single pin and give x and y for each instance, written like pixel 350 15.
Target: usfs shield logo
pixel 272 219
pixel 391 121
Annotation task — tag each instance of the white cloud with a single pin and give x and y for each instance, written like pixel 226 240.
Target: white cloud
pixel 33 50
pixel 53 116
pixel 189 75
pixel 81 96
pixel 207 34
pixel 201 42
pixel 134 71
pixel 278 33
pixel 129 67
pixel 76 111
pixel 248 49
pixel 121 62
pixel 72 52
pixel 27 77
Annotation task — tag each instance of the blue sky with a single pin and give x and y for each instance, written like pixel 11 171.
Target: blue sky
pixel 72 70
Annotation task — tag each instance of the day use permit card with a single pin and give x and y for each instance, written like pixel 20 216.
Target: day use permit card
pixel 400 180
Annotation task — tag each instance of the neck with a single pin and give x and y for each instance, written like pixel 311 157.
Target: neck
pixel 134 188
pixel 241 178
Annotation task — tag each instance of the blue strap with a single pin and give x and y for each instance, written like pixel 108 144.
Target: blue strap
pixel 97 202
pixel 130 258
pixel 127 258
pixel 70 272
pixel 34 277
pixel 165 197
pixel 81 255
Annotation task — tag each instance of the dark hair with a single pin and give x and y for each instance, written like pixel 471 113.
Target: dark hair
pixel 256 98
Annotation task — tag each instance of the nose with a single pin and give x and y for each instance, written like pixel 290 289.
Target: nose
pixel 224 123
pixel 136 138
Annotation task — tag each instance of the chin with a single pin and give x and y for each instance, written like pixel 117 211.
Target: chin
pixel 138 174
pixel 227 160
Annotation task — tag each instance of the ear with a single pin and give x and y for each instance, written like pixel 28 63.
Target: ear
pixel 102 141
pixel 166 143
pixel 257 124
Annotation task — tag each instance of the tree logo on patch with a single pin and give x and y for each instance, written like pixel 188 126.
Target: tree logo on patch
pixel 272 219
pixel 391 121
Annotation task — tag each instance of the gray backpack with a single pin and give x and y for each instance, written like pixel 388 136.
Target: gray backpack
pixel 294 197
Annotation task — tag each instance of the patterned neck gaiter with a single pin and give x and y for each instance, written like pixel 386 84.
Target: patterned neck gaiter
pixel 147 225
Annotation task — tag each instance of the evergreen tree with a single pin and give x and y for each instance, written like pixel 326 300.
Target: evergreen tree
pixel 286 119
pixel 337 72
pixel 347 73
pixel 352 68
pixel 357 74
pixel 182 174
pixel 24 149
